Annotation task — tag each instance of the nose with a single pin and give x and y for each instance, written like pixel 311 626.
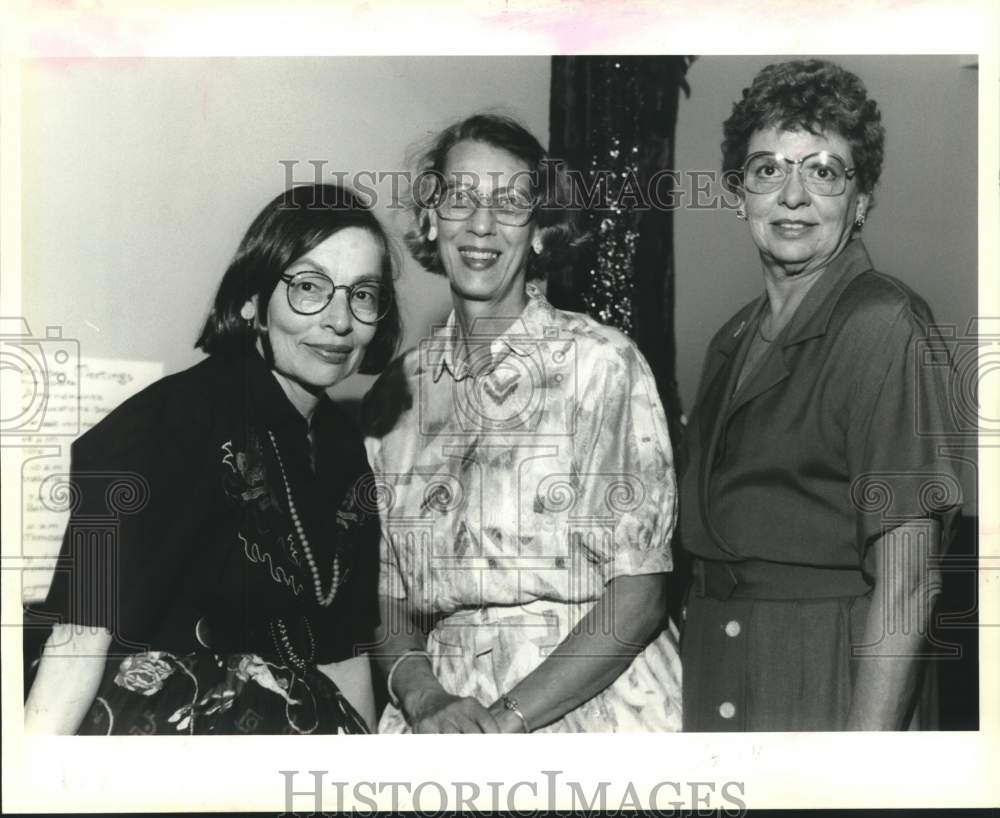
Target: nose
pixel 482 222
pixel 794 193
pixel 337 315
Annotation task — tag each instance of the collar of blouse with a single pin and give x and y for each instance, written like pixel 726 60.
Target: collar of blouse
pixel 447 353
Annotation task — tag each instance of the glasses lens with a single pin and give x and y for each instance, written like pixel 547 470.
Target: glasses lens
pixel 824 174
pixel 368 301
pixel 457 204
pixel 513 208
pixel 309 292
pixel 764 173
pixel 509 207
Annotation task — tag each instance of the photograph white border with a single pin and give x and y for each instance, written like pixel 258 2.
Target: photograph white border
pixel 778 770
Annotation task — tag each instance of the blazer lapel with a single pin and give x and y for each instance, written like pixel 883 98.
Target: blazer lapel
pixel 713 400
pixel 810 321
pixel 723 348
pixel 771 372
pixel 716 402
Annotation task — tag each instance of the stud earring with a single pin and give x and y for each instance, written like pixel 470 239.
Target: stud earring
pixel 741 214
pixel 432 232
pixel 536 245
pixel 859 220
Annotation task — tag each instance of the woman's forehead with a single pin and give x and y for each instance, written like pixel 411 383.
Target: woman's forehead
pixel 485 167
pixel 797 143
pixel 350 253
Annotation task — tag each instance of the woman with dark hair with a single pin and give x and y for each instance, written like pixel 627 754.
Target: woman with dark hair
pixel 218 572
pixel 525 475
pixel 815 496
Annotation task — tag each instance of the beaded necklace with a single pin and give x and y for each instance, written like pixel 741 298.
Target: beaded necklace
pixel 283 643
pixel 324 599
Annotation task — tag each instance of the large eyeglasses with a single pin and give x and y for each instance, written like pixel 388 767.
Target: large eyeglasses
pixel 509 207
pixel 309 292
pixel 822 173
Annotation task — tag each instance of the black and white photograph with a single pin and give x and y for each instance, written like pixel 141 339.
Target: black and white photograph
pixel 632 399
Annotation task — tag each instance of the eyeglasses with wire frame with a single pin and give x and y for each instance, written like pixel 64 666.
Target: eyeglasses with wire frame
pixel 509 207
pixel 822 173
pixel 310 291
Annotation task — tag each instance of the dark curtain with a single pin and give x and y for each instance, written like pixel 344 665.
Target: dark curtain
pixel 612 120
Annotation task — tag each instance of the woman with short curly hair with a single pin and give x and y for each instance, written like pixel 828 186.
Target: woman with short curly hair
pixel 811 503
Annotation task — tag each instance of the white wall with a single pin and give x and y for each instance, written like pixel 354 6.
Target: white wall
pixel 141 175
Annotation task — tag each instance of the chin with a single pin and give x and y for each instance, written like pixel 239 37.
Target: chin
pixel 330 377
pixel 792 255
pixel 468 291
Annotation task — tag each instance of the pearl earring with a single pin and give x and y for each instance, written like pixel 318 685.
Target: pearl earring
pixel 248 312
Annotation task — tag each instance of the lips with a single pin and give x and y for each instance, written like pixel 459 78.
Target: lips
pixel 792 223
pixel 791 228
pixel 478 258
pixel 331 353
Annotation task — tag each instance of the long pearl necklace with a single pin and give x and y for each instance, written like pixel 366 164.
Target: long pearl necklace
pixel 324 599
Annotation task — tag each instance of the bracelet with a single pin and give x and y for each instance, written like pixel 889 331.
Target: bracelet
pixel 393 698
pixel 510 703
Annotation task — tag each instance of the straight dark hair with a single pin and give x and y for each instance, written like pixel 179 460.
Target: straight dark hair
pixel 292 224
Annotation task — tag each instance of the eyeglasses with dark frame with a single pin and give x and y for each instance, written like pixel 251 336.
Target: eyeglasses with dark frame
pixel 509 207
pixel 310 291
pixel 822 172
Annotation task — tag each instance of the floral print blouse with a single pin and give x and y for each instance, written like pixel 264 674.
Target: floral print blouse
pixel 535 467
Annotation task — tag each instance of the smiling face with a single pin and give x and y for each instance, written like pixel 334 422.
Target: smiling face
pixel 313 352
pixel 485 261
pixel 797 231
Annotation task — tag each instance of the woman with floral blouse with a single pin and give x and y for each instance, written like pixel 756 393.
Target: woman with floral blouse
pixel 525 474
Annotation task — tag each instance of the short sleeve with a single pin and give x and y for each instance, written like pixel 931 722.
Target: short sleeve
pixel 625 462
pixel 898 431
pixel 138 496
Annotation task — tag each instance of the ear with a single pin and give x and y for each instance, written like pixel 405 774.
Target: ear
pixel 861 205
pixel 537 239
pixel 248 312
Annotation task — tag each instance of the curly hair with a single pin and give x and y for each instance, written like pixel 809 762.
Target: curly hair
pixel 806 95
pixel 549 181
pixel 290 225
